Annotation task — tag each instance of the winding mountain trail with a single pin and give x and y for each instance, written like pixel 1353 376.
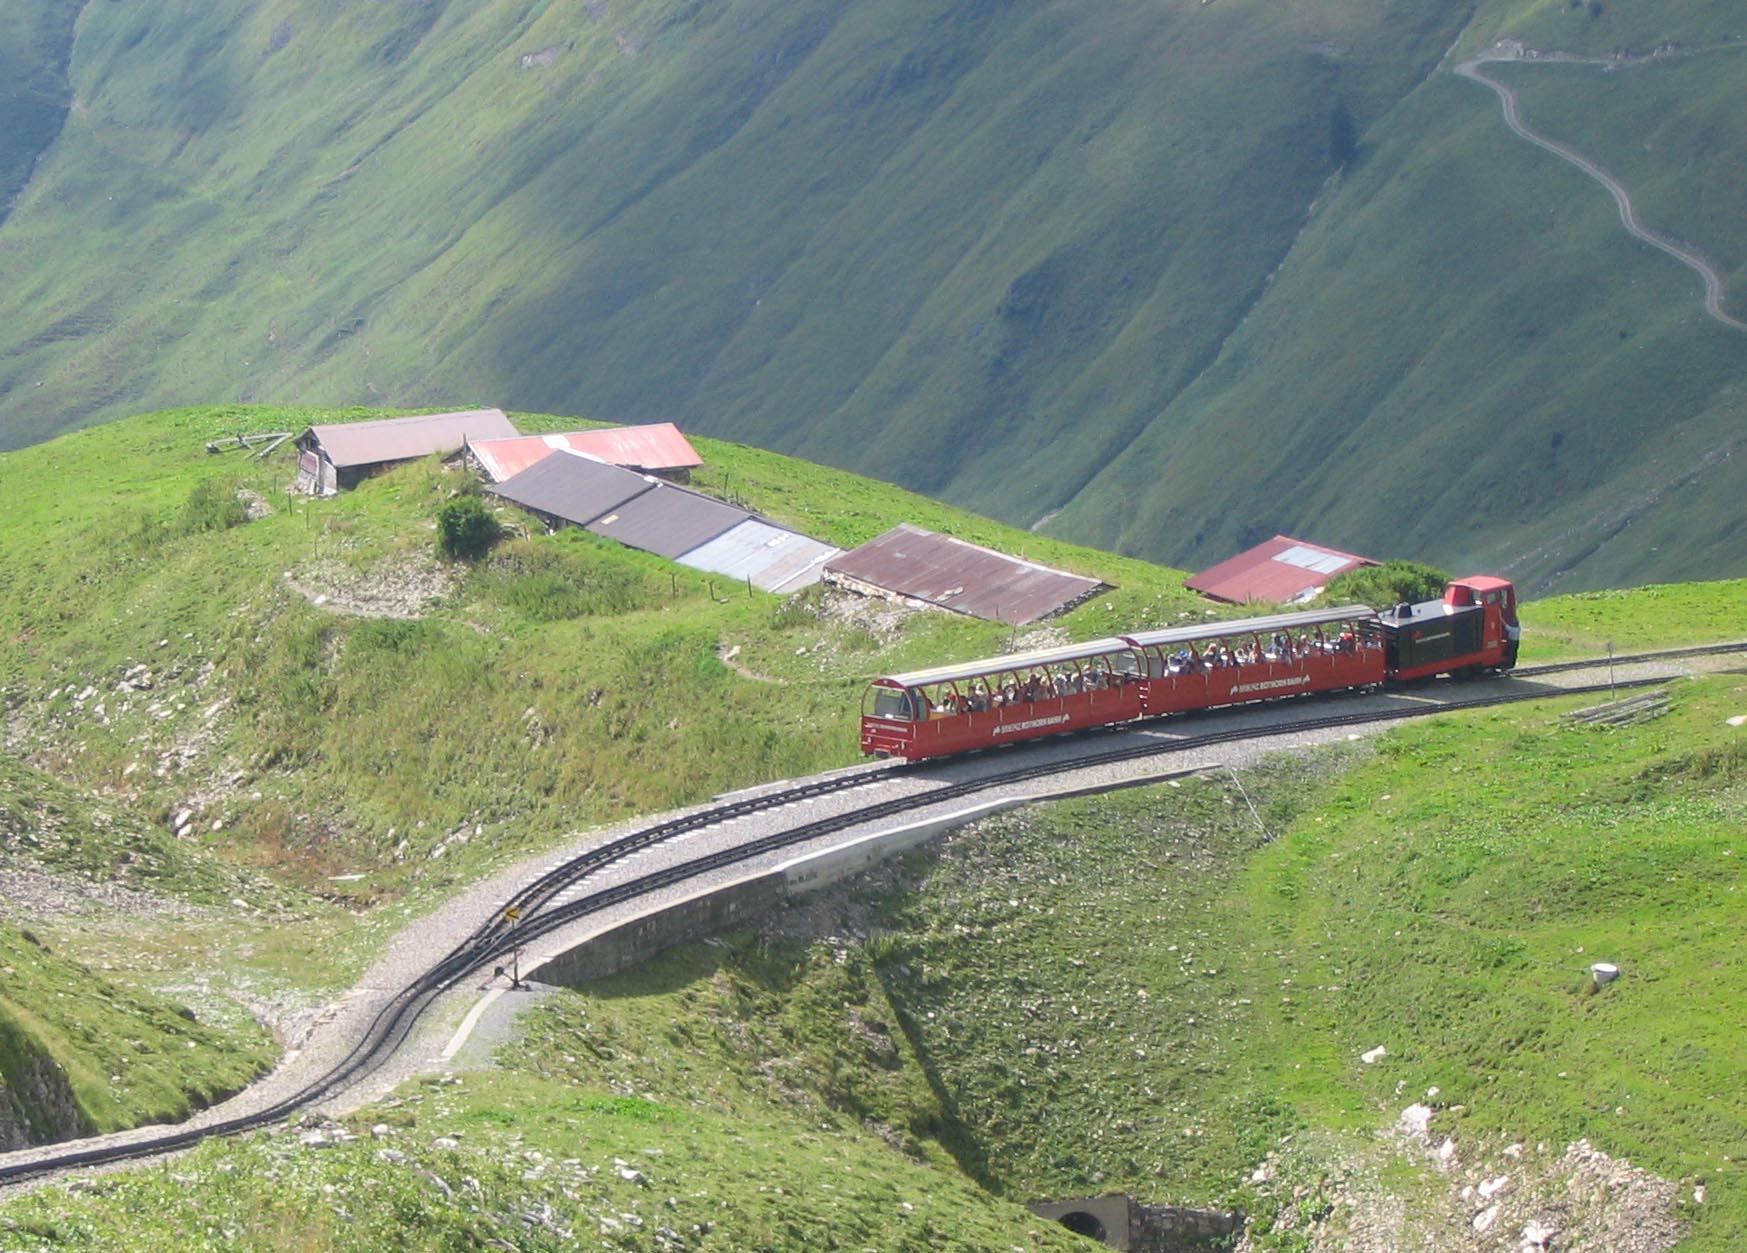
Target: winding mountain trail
pixel 1506 51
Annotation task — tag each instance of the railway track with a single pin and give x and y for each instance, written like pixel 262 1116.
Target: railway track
pixel 532 912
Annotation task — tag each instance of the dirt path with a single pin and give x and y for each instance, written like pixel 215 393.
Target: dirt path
pixel 1470 69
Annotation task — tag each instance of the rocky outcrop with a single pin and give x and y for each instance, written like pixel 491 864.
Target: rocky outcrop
pixel 37 1105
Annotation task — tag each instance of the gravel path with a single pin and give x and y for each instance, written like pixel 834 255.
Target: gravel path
pixel 410 953
pixel 1510 52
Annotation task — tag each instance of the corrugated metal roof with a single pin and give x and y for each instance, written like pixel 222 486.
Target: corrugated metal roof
pixel 965 578
pixel 665 520
pixel 774 559
pixel 573 487
pixel 654 446
pixel 658 446
pixel 503 459
pixel 401 439
pixel 1281 570
pixel 1253 626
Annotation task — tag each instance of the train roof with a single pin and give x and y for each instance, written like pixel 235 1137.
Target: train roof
pixel 1251 626
pixel 1012 661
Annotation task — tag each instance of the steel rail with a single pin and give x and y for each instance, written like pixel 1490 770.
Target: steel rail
pixel 1629 659
pixel 395 1020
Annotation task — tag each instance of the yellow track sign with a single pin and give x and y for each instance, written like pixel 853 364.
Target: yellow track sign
pixel 513 912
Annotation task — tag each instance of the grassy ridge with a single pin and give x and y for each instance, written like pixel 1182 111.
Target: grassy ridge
pixel 561 682
pixel 640 1118
pixel 80 1054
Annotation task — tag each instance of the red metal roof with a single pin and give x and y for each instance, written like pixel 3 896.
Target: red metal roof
pixel 658 446
pixel 655 446
pixel 966 578
pixel 401 439
pixel 1281 570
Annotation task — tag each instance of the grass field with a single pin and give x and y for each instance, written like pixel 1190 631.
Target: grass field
pixel 1188 983
pixel 1153 992
pixel 565 681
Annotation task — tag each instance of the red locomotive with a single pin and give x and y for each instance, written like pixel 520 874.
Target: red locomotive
pixel 1001 700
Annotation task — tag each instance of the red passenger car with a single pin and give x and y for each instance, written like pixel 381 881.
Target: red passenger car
pixel 1251 659
pixel 1000 700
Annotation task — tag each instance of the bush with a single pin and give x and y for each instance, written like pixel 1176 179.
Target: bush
pixel 211 506
pixel 1385 585
pixel 465 529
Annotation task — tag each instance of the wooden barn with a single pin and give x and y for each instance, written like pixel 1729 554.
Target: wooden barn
pixel 338 455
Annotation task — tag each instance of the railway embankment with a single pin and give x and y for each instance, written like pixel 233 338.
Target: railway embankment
pixel 784 1084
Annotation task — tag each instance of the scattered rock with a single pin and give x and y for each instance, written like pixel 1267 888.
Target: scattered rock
pixel 1538 1235
pixel 1372 1056
pixel 1490 1188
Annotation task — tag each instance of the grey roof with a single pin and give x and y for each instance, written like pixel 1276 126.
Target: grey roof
pixel 1252 626
pixel 349 444
pixel 665 520
pixel 966 578
pixel 1011 662
pixel 572 487
pixel 774 559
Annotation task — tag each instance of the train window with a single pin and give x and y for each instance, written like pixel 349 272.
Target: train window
pixel 891 702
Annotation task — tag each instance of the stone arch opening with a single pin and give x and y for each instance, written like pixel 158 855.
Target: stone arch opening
pixel 1083 1224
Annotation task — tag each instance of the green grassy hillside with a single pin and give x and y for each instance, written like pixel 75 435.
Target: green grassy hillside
pixel 1465 355
pixel 244 681
pixel 1010 256
pixel 35 46
pixel 81 1054
pixel 1159 991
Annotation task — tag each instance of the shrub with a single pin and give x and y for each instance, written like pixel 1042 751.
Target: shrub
pixel 465 529
pixel 1386 585
pixel 211 506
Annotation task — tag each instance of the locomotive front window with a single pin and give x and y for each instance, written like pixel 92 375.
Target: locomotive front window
pixel 891 702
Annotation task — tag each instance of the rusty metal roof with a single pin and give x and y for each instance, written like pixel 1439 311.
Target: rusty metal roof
pixel 920 565
pixel 658 446
pixel 666 520
pixel 349 444
pixel 1281 570
pixel 774 559
pixel 573 488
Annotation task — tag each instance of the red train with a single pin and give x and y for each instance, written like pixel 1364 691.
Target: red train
pixel 1001 700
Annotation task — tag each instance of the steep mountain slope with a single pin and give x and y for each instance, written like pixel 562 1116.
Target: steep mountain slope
pixel 35 45
pixel 1055 256
pixel 950 230
pixel 1467 354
